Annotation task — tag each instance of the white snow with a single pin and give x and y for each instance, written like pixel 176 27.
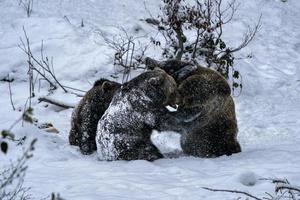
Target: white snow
pixel 268 110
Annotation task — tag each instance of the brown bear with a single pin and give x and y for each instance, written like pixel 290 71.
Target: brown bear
pixel 124 130
pixel 206 115
pixel 87 113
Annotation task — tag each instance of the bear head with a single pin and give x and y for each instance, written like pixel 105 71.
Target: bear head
pixel 157 85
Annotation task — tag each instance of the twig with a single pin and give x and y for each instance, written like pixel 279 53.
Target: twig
pixel 232 191
pixel 44 64
pixel 10 94
pixel 74 89
pixel 249 36
pixel 14 177
pixel 27 5
pixel 128 51
pixel 77 94
pixel 284 186
pixel 56 102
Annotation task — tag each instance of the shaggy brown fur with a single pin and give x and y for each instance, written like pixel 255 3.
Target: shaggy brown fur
pixel 86 115
pixel 206 114
pixel 124 130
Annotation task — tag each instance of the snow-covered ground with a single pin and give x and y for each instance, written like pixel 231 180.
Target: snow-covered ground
pixel 268 109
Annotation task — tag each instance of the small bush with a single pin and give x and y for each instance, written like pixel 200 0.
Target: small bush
pixel 179 19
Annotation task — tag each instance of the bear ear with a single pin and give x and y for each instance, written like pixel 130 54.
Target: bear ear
pixel 155 81
pixel 107 85
pixel 100 82
pixel 151 63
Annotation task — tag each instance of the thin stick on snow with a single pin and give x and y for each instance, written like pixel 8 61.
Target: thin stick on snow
pixel 232 191
pixel 56 102
pixel 284 185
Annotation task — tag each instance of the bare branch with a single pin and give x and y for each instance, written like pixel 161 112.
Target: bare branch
pixel 44 64
pixel 248 37
pixel 27 5
pixel 56 102
pixel 129 52
pixel 14 175
pixel 232 191
pixel 10 94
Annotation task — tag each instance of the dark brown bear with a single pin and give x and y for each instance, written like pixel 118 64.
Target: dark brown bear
pixel 206 115
pixel 86 115
pixel 124 130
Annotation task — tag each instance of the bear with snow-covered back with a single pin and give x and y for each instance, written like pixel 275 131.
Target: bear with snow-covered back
pixel 206 115
pixel 87 113
pixel 124 130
